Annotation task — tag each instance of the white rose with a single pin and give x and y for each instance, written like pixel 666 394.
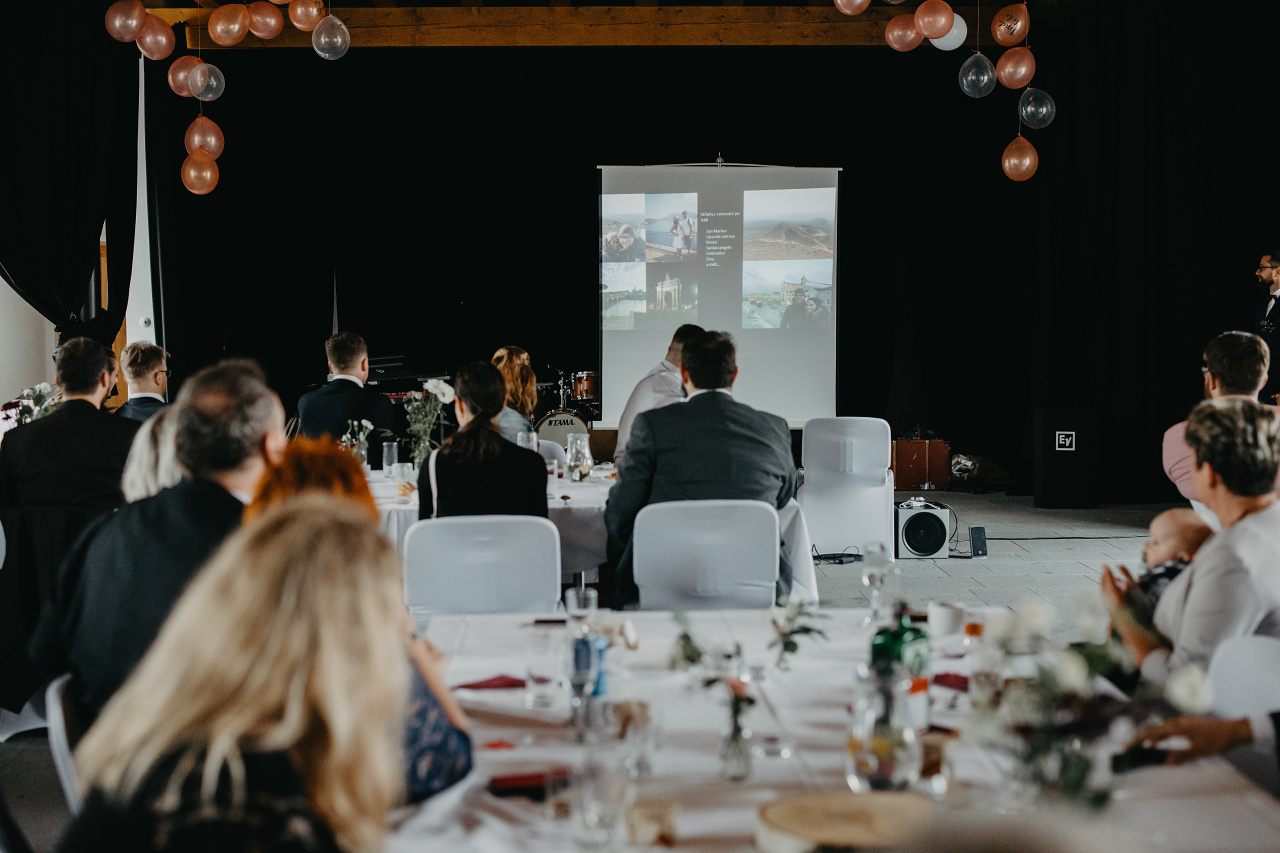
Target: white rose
pixel 366 424
pixel 1189 690
pixel 1073 672
pixel 443 390
pixel 1035 616
pixel 44 388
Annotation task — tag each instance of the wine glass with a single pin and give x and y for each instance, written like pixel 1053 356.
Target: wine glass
pixel 582 667
pixel 875 575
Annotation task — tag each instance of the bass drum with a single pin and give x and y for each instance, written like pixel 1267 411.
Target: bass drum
pixel 556 425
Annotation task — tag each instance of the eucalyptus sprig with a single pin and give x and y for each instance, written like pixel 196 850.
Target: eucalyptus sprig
pixel 789 627
pixel 686 652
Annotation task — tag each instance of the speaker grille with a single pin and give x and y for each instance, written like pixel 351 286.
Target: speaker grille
pixel 924 533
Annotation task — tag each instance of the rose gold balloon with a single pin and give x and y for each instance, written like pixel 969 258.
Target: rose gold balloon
pixel 178 72
pixel 1016 67
pixel 199 172
pixel 229 24
pixel 124 19
pixel 852 7
pixel 1020 159
pixel 934 19
pixel 265 20
pixel 203 133
pixel 156 40
pixel 281 2
pixel 901 33
pixel 305 14
pixel 1010 25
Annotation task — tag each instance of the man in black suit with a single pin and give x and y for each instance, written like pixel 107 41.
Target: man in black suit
pixel 123 575
pixel 57 474
pixel 1268 318
pixel 147 371
pixel 327 410
pixel 708 447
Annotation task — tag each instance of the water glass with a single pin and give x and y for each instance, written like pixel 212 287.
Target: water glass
pixel 581 603
pixel 875 575
pixel 578 454
pixel 542 668
pixel 390 458
pixel 602 793
pixel 527 440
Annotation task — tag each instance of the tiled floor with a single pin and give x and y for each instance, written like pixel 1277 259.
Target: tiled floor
pixel 1053 555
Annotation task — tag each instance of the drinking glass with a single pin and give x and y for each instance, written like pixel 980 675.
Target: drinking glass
pixel 578 454
pixel 390 458
pixel 527 440
pixel 875 575
pixel 602 793
pixel 581 603
pixel 582 666
pixel 542 667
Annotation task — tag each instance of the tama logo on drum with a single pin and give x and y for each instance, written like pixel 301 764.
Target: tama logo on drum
pixel 561 422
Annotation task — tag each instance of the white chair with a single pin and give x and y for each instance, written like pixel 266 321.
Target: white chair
pixel 552 451
pixel 1245 678
pixel 64 733
pixel 847 496
pixel 706 555
pixel 481 564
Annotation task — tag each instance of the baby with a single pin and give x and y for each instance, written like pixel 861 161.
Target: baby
pixel 1174 537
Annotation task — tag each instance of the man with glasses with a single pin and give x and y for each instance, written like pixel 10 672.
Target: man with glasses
pixel 1268 319
pixel 147 372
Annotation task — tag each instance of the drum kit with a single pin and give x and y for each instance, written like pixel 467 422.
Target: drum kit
pixel 567 404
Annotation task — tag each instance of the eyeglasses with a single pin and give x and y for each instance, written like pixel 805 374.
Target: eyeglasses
pixel 1204 368
pixel 1268 266
pixel 166 371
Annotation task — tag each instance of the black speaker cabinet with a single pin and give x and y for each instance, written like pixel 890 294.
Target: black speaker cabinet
pixel 924 530
pixel 1065 473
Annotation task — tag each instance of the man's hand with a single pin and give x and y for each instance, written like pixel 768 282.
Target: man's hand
pixel 1206 736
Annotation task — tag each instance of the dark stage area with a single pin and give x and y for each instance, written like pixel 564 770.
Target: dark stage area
pixel 450 193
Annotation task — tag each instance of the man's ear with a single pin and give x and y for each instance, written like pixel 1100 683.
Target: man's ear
pixel 364 364
pixel 273 446
pixel 684 375
pixel 735 374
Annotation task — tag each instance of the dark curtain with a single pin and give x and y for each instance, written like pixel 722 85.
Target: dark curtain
pixel 69 149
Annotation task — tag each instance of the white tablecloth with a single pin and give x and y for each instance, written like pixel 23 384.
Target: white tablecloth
pixel 1202 807
pixel 577 510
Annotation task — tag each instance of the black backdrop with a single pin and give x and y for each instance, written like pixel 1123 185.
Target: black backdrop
pixel 451 194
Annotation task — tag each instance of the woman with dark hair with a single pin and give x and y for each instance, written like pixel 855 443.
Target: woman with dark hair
pixel 476 471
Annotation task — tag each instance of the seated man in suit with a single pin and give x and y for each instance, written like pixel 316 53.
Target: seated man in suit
pixel 57 474
pixel 327 409
pixel 660 387
pixel 147 372
pixel 710 446
pixel 122 576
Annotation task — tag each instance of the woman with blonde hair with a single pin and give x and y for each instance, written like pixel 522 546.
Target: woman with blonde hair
pixel 153 457
pixel 268 714
pixel 522 392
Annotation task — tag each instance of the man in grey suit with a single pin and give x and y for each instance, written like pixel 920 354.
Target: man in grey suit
pixel 708 447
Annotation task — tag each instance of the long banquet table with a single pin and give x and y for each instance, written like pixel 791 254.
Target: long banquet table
pixel 1201 807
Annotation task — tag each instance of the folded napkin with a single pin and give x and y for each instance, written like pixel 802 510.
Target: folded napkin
pixel 952 680
pixel 498 682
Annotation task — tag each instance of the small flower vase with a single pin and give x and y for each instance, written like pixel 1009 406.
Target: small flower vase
pixel 420 453
pixel 735 755
pixel 361 451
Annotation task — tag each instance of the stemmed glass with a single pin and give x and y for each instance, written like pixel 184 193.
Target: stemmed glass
pixel 875 574
pixel 582 667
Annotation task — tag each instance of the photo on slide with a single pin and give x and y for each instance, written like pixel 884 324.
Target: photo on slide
pixel 671 227
pixel 622 296
pixel 622 228
pixel 671 297
pixel 786 294
pixel 781 225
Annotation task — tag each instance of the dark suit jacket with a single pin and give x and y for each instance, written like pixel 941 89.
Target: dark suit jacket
pixel 140 408
pixel 511 482
pixel 709 447
pixel 120 580
pixel 327 409
pixel 56 475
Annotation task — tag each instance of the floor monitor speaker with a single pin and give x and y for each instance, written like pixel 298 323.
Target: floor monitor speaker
pixel 924 530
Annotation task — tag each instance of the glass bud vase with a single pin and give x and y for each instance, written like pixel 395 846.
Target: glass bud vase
pixel 735 754
pixel 361 451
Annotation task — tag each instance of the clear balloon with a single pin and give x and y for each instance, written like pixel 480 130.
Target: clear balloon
pixel 852 7
pixel 934 18
pixel 977 76
pixel 1020 159
pixel 203 133
pixel 330 38
pixel 1036 108
pixel 305 14
pixel 199 172
pixel 156 40
pixel 1011 24
pixel 229 24
pixel 124 19
pixel 1016 68
pixel 901 33
pixel 179 72
pixel 265 20
pixel 206 82
pixel 955 38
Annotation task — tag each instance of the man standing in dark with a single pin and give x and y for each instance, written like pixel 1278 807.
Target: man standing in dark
pixel 328 409
pixel 1268 318
pixel 147 371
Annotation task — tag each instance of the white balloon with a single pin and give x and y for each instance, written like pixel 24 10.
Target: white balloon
pixel 330 38
pixel 954 38
pixel 206 82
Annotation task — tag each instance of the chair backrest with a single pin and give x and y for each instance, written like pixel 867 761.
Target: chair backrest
pixel 552 451
pixel 1244 676
pixel 65 730
pixel 482 564
pixel 706 555
pixel 847 494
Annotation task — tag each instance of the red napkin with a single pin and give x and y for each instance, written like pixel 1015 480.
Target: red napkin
pixel 950 679
pixel 498 682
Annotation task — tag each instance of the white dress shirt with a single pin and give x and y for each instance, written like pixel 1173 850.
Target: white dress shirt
pixel 660 387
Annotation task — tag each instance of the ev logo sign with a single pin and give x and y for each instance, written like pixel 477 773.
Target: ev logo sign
pixel 1066 441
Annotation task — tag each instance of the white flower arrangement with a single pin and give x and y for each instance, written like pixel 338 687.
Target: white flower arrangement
pixel 32 404
pixel 425 410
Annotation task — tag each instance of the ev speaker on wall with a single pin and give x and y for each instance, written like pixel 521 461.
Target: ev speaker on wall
pixel 923 530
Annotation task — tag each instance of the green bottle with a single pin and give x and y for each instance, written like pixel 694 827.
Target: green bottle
pixel 902 642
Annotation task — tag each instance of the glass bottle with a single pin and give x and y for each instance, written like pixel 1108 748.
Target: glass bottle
pixel 883 752
pixel 901 642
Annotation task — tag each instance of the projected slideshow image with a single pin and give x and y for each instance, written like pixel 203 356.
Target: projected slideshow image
pixel 786 294
pixel 622 229
pixel 622 296
pixel 671 227
pixel 671 298
pixel 779 225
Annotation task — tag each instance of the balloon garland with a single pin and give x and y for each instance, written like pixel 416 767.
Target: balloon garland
pixel 192 77
pixel 945 30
